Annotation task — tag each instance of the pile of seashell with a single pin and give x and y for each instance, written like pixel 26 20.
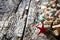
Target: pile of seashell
pixel 51 16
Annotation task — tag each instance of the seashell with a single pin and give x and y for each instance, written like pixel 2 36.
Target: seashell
pixel 56 26
pixel 55 32
pixel 45 3
pixel 46 11
pixel 43 7
pixel 46 26
pixel 53 2
pixel 55 22
pixel 49 18
pixel 48 22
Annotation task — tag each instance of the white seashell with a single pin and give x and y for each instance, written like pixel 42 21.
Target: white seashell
pixel 43 7
pixel 56 32
pixel 37 0
pixel 56 26
pixel 45 3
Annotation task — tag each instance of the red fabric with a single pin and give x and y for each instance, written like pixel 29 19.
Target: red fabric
pixel 42 29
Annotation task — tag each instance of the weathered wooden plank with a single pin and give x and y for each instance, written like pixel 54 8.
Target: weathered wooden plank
pixel 31 31
pixel 7 18
pixel 30 20
pixel 21 17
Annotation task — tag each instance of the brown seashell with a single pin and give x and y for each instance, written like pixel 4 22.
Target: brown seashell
pixel 46 10
pixel 53 2
pixel 53 5
pixel 56 32
pixel 51 18
pixel 57 13
pixel 48 22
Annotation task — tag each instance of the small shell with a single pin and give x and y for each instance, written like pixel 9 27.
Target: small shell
pixel 56 33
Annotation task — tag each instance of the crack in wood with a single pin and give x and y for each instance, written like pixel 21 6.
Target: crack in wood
pixel 18 6
pixel 27 10
pixel 24 12
pixel 25 24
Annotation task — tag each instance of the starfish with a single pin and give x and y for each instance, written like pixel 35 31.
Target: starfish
pixel 42 29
